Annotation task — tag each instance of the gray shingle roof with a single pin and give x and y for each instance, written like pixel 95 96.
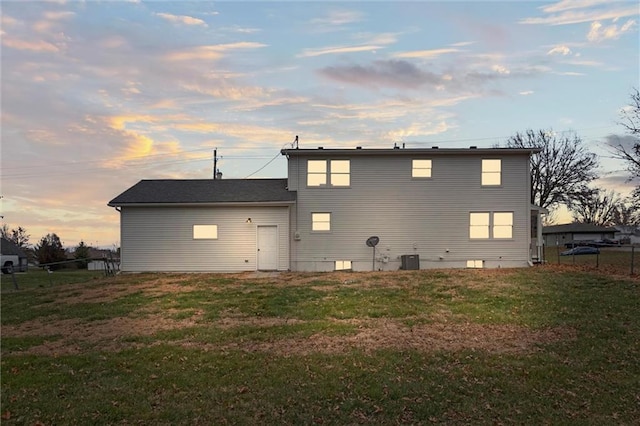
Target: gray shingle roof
pixel 204 191
pixel 9 248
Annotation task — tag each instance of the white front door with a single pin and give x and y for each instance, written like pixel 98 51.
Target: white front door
pixel 267 248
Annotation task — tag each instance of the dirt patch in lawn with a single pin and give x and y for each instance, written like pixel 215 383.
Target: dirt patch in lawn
pixel 80 293
pixel 72 336
pixel 391 334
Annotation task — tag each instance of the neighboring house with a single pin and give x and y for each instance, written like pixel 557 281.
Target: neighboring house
pixel 560 235
pixel 440 207
pixel 13 258
pixel 628 234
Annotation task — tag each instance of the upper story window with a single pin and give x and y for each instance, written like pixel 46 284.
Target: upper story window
pixel 491 172
pixel 328 173
pixel 340 173
pixel 421 168
pixel 316 172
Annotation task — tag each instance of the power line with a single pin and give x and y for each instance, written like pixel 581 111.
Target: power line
pixel 294 143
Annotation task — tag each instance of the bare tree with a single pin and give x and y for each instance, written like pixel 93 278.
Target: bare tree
pixel 17 236
pixel 630 152
pixel 597 206
pixel 627 214
pixel 561 171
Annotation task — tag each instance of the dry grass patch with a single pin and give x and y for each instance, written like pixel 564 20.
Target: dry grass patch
pixel 392 335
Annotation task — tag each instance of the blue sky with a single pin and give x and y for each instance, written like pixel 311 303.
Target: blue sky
pixel 99 95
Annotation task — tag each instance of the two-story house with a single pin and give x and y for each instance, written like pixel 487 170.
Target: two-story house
pixel 438 208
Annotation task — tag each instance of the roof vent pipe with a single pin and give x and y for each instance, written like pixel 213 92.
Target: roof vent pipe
pixel 473 147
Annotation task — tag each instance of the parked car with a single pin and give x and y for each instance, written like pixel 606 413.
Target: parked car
pixel 606 243
pixel 580 250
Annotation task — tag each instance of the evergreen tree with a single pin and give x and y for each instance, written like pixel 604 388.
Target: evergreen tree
pixel 50 250
pixel 82 254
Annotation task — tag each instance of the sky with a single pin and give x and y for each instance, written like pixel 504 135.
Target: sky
pixel 96 96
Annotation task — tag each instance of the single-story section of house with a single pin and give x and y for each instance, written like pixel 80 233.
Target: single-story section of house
pixel 193 225
pixel 559 235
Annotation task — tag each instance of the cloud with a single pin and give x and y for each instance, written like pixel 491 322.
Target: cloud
pixel 526 92
pixel 182 19
pixel 390 73
pixel 34 46
pixel 402 74
pixel 210 52
pixel 419 129
pixel 598 32
pixel 308 53
pixel 337 18
pixel 572 4
pixel 581 11
pixel 560 49
pixel 426 54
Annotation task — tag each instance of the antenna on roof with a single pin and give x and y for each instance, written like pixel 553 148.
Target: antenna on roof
pixel 217 174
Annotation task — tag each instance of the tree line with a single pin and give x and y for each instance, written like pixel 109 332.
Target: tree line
pixel 49 249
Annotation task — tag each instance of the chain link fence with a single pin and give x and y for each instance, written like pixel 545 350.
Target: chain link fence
pixel 624 260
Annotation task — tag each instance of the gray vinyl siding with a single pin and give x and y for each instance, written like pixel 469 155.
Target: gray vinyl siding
pixel 160 239
pixel 427 217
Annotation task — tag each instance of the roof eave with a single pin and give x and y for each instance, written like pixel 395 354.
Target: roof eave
pixel 410 151
pixel 206 204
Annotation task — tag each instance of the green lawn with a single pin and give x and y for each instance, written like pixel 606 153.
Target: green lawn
pixel 544 345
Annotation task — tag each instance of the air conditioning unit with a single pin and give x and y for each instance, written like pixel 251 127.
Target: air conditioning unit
pixel 410 262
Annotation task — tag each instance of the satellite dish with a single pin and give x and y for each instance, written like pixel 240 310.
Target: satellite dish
pixel 373 242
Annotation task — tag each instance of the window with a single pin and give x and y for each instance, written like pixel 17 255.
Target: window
pixel 421 168
pixel 475 263
pixel 339 172
pixel 342 265
pixel 491 172
pixel 316 172
pixel 478 225
pixel 205 232
pixel 503 225
pixel 320 221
